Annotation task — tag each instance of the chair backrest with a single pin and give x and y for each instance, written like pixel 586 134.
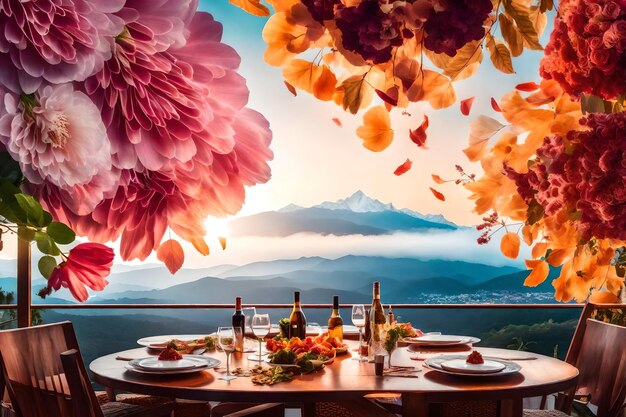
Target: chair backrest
pixel 33 370
pixel 602 366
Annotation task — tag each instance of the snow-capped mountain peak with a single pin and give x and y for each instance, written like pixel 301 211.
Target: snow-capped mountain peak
pixel 358 202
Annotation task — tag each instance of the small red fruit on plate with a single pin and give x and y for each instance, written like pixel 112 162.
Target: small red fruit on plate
pixel 475 358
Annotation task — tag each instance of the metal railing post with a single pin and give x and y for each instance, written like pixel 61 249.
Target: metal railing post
pixel 23 283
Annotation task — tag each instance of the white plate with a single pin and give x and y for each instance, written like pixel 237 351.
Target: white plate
pixel 208 364
pixel 435 364
pixel 268 361
pixel 153 363
pixel 461 365
pixel 442 340
pixel 159 342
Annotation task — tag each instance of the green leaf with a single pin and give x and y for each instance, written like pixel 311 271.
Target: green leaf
pixel 61 233
pixel 26 233
pixel 46 245
pixel 10 169
pixel 591 104
pixel 46 265
pixel 32 208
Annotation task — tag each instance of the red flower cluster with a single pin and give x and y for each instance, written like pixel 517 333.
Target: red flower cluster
pixel 583 173
pixel 372 28
pixel 587 48
pixel 460 22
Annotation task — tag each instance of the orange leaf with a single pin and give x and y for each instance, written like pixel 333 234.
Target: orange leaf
pixel 403 168
pixel 437 179
pixel 324 87
pixel 254 7
pixel 437 194
pixel 390 96
pixel 337 122
pixel 495 106
pixel 528 87
pixel 476 150
pixel 376 130
pixel 200 245
pixel 509 245
pixel 222 240
pixel 539 273
pixel 604 297
pixel 539 249
pixel 418 136
pixel 171 254
pixel 466 106
pixel 291 88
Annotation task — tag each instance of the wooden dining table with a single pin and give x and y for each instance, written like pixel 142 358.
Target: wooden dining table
pixel 347 379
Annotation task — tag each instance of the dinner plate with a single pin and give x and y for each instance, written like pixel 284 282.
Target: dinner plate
pixel 461 365
pixel 435 364
pixel 442 340
pixel 207 363
pixel 159 342
pixel 287 366
pixel 153 363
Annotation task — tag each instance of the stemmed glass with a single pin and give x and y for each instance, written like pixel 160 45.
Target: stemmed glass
pixel 226 337
pixel 358 319
pixel 260 327
pixel 315 329
pixel 249 312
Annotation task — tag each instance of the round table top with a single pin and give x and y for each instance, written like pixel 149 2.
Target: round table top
pixel 344 377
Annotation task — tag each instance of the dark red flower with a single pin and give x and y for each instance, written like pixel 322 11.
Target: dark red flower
pixel 87 264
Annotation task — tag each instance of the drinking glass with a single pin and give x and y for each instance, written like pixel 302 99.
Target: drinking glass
pixel 260 327
pixel 226 337
pixel 249 312
pixel 315 329
pixel 390 342
pixel 358 320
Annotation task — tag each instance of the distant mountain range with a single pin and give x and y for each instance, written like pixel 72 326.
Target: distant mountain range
pixel 357 214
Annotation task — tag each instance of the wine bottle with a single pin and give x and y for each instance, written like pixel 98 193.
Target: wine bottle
pixel 391 319
pixel 297 320
pixel 377 321
pixel 239 321
pixel 335 323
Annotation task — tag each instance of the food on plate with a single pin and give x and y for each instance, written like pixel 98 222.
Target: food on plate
pixel 475 358
pixel 190 346
pixel 409 331
pixel 170 354
pixel 284 357
pixel 322 345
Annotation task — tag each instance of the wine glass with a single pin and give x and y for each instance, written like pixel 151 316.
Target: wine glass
pixel 260 327
pixel 249 312
pixel 358 319
pixel 389 338
pixel 226 337
pixel 315 329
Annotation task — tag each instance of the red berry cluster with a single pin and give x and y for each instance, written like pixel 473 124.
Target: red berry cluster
pixel 488 223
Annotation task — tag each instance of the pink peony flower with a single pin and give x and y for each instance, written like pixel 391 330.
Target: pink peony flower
pixel 88 264
pixel 59 140
pixel 154 105
pixel 196 110
pixel 57 41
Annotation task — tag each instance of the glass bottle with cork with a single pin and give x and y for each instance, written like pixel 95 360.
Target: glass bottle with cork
pixel 377 322
pixel 335 322
pixel 239 322
pixel 297 320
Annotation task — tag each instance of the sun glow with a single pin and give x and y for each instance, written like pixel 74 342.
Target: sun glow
pixel 216 227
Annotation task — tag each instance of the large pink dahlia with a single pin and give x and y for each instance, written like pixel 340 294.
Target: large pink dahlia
pixel 57 41
pixel 156 104
pixel 59 140
pixel 181 114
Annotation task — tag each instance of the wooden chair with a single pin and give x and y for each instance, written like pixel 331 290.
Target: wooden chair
pixel 45 376
pixel 601 361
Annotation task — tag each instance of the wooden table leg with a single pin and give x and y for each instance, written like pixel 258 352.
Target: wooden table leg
pixel 308 409
pixel 414 405
pixel 110 394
